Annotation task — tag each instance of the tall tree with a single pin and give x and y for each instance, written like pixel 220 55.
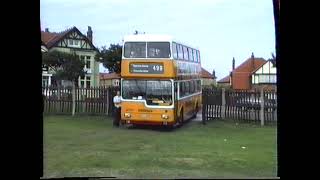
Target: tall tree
pixel 66 67
pixel 111 57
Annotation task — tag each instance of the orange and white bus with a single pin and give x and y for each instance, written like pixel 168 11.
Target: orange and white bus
pixel 160 81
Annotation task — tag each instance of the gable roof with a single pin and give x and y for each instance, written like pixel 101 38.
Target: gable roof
pixel 225 80
pixel 52 38
pixel 250 65
pixel 240 76
pixel 206 74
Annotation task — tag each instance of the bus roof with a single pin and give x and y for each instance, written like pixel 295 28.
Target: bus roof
pixel 148 37
pixel 153 37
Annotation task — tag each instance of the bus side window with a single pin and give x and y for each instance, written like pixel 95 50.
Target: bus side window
pixel 195 59
pixel 181 89
pixel 190 55
pixel 185 53
pixel 175 86
pixel 180 52
pixel 187 87
pixel 174 51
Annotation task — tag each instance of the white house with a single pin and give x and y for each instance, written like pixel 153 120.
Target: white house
pixel 265 76
pixel 69 41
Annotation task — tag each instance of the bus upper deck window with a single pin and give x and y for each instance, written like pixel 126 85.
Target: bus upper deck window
pixel 158 50
pixel 135 50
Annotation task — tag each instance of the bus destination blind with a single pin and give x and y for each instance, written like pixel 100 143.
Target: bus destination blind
pixel 146 68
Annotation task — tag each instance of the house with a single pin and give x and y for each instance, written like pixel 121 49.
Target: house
pixel 224 82
pixel 207 78
pixel 109 79
pixel 73 41
pixel 43 47
pixel 241 76
pixel 253 73
pixel 265 77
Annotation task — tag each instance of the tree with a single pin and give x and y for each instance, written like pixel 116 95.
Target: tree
pixel 111 57
pixel 66 67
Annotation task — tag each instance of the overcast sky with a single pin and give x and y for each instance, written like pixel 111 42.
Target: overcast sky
pixel 220 29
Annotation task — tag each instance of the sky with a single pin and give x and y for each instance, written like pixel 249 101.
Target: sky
pixel 220 29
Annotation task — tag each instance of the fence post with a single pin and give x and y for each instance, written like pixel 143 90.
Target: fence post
pixel 73 98
pixel 262 107
pixel 204 106
pixel 223 106
pixel 107 101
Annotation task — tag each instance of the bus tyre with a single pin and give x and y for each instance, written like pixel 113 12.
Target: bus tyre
pixel 195 112
pixel 181 118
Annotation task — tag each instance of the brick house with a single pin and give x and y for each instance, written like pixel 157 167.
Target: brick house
pixel 253 73
pixel 110 79
pixel 207 78
pixel 224 82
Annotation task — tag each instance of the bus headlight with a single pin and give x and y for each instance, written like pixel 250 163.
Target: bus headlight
pixel 127 115
pixel 165 116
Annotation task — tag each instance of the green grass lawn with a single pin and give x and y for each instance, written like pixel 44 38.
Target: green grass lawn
pixel 90 146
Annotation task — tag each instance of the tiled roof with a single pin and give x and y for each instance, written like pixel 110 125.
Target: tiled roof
pixel 205 73
pixel 51 38
pixel 241 74
pixel 250 65
pixel 225 80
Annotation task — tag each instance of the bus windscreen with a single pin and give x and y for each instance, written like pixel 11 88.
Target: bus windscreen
pixel 155 92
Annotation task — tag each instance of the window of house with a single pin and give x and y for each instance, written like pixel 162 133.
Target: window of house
pixel 76 42
pixel 263 79
pixel 71 42
pixel 88 79
pixel 273 78
pixel 87 84
pixel 88 57
pixel 88 64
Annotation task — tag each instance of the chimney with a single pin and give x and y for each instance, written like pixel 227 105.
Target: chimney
pixel 47 30
pixel 213 74
pixel 233 64
pixel 89 33
pixel 252 61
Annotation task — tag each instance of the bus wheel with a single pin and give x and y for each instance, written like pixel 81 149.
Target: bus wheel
pixel 195 112
pixel 181 120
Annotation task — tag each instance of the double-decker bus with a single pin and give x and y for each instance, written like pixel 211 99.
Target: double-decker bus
pixel 160 80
